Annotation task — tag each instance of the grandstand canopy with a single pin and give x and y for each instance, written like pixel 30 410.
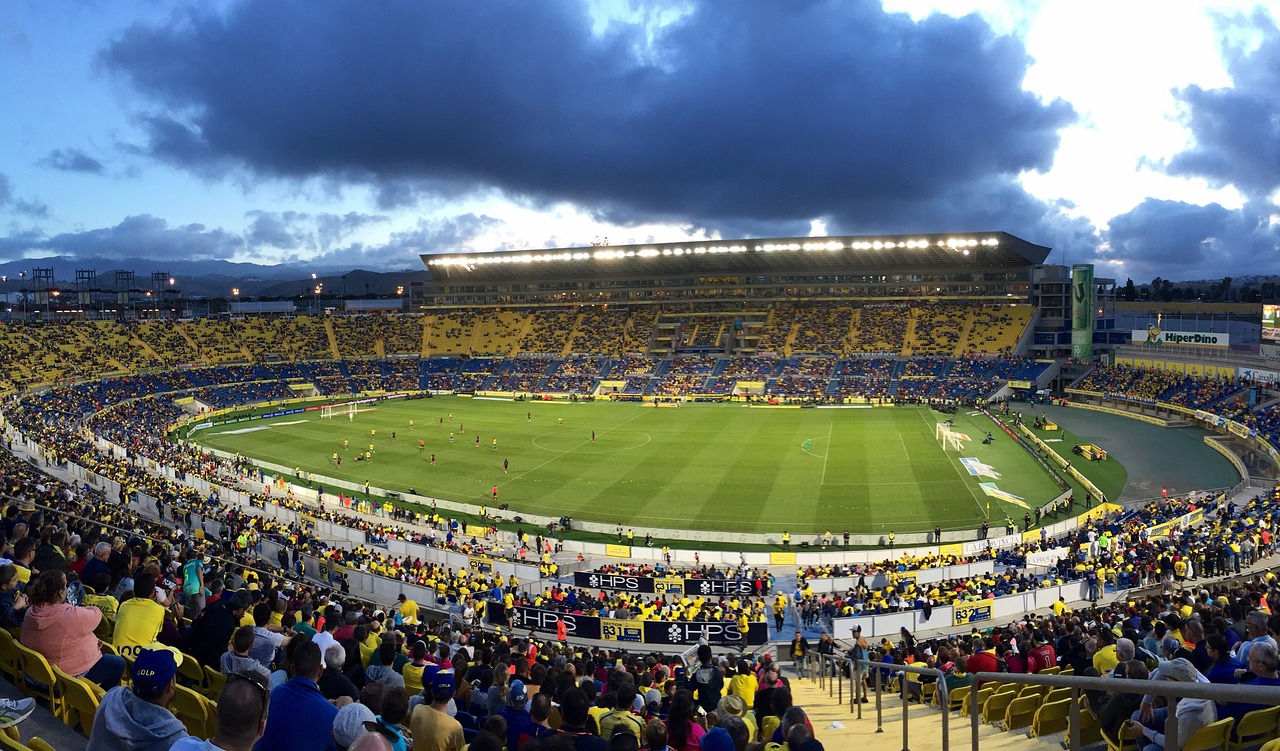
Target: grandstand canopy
pixel 959 252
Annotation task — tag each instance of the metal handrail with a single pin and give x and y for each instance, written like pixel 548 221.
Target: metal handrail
pixel 944 699
pixel 1170 689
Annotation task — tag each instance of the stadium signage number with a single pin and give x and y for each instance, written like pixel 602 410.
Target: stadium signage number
pixel 614 630
pixel 973 612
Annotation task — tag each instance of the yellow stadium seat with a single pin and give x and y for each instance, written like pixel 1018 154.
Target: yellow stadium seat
pixel 983 694
pixel 958 696
pixel 1050 718
pixel 80 703
pixel 1020 712
pixel 1214 735
pixel 215 681
pixel 191 674
pixel 105 630
pixel 1122 741
pixel 1090 730
pixel 39 681
pixel 1057 694
pixel 994 708
pixel 193 710
pixel 1256 726
pixel 10 657
pixel 11 743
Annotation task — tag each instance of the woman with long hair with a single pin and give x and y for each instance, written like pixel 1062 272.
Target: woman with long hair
pixel 683 728
pixel 63 633
pixel 496 697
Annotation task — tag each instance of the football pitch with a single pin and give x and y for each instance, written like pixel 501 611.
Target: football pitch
pixel 705 466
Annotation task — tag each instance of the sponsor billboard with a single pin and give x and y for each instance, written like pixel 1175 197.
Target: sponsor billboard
pixel 717 633
pixel 1154 336
pixel 1082 314
pixel 663 585
pixel 1271 323
pixel 1260 376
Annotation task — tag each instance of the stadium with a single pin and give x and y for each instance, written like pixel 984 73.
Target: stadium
pixel 645 448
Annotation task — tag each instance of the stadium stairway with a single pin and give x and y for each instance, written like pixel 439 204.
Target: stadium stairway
pixel 838 728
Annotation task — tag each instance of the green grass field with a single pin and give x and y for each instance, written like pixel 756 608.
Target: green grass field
pixel 708 466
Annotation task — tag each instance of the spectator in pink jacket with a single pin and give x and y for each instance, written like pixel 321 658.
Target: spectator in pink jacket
pixel 63 633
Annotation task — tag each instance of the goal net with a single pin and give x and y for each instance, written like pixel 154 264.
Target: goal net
pixel 949 439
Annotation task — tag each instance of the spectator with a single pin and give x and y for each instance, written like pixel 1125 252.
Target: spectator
pixel 211 631
pixel 350 723
pixel 301 718
pixel 136 719
pixel 13 603
pixel 708 680
pixel 333 683
pixel 237 659
pixel 242 716
pixel 431 726
pixel 684 730
pixel 573 722
pixel 140 618
pixel 63 633
pixel 1263 661
pixel 1192 714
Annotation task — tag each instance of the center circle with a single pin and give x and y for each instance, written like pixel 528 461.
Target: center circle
pixel 606 441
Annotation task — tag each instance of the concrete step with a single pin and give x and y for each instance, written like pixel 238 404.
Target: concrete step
pixel 838 728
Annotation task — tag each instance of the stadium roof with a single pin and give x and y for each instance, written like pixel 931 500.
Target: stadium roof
pixel 961 252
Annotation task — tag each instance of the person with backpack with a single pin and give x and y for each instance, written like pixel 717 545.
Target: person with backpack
pixel 860 650
pixel 193 583
pixel 707 679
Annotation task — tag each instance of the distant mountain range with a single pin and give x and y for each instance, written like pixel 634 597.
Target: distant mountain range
pixel 216 279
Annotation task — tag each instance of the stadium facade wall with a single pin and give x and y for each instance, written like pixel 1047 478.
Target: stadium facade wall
pixel 1001 610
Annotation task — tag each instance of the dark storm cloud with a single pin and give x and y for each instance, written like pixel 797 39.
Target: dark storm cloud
pixel 73 160
pixel 1178 241
pixel 741 115
pixel 1237 129
pixel 146 236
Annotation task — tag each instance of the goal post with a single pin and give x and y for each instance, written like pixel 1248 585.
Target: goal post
pixel 326 411
pixel 949 439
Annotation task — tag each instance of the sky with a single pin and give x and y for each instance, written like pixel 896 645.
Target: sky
pixel 348 134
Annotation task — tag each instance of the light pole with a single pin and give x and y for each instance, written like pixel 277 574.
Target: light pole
pixel 235 293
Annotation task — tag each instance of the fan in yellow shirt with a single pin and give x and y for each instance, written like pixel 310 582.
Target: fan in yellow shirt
pixel 138 619
pixel 408 611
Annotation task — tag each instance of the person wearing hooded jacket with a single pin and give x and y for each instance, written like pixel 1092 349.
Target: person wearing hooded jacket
pixel 1192 714
pixel 136 718
pixel 707 679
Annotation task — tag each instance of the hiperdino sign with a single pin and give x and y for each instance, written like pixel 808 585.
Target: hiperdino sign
pixel 1155 337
